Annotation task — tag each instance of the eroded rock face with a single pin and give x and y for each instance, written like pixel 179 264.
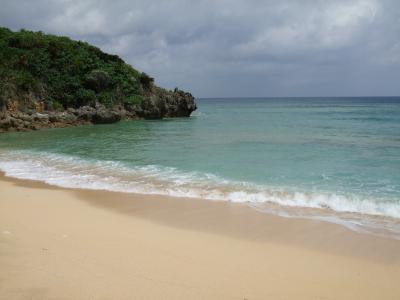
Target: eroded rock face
pixel 155 106
pixel 169 105
pixel 106 117
pixel 181 104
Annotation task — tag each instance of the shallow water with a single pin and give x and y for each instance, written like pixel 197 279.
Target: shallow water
pixel 337 159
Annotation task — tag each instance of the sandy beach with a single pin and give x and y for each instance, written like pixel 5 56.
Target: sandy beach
pixel 79 244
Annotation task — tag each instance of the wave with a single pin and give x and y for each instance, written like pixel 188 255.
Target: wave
pixel 73 172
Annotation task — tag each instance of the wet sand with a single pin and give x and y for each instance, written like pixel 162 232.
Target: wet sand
pixel 79 244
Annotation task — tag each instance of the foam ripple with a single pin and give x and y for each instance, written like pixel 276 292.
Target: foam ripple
pixel 73 172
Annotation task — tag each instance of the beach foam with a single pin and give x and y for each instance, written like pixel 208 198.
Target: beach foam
pixel 72 172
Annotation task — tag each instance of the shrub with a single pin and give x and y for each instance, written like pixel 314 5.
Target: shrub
pixel 85 97
pixel 98 80
pixel 57 106
pixel 106 98
pixel 72 72
pixel 146 80
pixel 26 82
pixel 135 100
pixel 25 40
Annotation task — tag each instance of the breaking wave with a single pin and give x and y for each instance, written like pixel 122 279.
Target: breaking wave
pixel 355 212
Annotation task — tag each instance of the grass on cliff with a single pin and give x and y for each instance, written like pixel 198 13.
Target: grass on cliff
pixel 63 73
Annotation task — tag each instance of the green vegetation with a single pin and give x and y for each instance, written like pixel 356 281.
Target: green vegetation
pixel 65 73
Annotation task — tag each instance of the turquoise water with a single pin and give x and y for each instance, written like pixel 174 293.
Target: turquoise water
pixel 331 158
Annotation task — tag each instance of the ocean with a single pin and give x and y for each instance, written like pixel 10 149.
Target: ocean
pixel 333 159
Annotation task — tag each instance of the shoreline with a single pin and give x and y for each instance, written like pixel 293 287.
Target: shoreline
pixel 240 220
pixel 81 244
pixel 23 166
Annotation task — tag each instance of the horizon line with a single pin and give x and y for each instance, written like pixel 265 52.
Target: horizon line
pixel 263 97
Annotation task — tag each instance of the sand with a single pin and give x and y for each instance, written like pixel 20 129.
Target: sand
pixel 74 244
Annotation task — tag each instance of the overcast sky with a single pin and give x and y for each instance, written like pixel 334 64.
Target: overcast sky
pixel 236 48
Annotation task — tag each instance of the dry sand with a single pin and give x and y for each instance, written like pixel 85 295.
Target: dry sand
pixel 74 244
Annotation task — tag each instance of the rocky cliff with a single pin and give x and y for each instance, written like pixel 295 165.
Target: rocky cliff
pixel 50 81
pixel 167 104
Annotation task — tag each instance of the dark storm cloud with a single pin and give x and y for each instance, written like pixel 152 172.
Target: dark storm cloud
pixel 237 48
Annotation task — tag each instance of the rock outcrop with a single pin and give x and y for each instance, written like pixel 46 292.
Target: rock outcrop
pixel 157 105
pixel 53 81
pixel 170 104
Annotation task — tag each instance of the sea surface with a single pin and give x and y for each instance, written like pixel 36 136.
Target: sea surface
pixel 335 159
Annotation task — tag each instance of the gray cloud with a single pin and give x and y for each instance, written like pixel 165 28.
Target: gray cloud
pixel 237 48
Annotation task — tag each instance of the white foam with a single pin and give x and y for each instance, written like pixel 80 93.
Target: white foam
pixel 73 172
